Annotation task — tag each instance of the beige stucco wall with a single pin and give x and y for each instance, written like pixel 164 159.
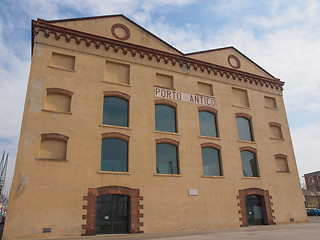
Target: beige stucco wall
pixel 53 191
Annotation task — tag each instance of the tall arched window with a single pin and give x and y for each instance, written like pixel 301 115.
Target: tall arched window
pixel 249 164
pixel 115 109
pixel 208 124
pixel 167 157
pixel 114 152
pixel 211 161
pixel 165 116
pixel 244 127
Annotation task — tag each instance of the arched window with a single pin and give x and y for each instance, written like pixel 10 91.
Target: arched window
pixel 249 164
pixel 58 100
pixel 211 161
pixel 53 146
pixel 167 157
pixel 115 109
pixel 244 127
pixel 165 116
pixel 208 124
pixel 114 152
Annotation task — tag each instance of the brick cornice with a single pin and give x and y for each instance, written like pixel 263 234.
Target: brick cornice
pixel 136 50
pixel 244 115
pixel 211 145
pixel 58 136
pixel 116 94
pixel 246 148
pixel 280 156
pixel 167 140
pixel 115 135
pixel 59 91
pixel 207 109
pixel 166 102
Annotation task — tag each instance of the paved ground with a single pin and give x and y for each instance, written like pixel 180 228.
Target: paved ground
pixel 306 231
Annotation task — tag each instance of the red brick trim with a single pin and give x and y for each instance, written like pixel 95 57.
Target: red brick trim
pixel 166 102
pixel 115 135
pixel 207 109
pixel 268 205
pixel 247 148
pixel 62 33
pixel 275 124
pixel 244 115
pixel 167 140
pixel 58 136
pixel 209 144
pixel 119 25
pixel 280 156
pixel 134 215
pixel 59 91
pixel 116 94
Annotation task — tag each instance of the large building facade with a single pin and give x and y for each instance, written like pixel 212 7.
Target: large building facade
pixel 123 133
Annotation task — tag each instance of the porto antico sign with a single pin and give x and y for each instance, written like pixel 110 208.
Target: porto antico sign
pixel 184 97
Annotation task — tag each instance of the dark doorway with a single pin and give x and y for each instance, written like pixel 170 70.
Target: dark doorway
pixel 112 214
pixel 256 210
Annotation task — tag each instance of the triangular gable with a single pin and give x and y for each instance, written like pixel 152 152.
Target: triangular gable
pixel 231 58
pixel 117 27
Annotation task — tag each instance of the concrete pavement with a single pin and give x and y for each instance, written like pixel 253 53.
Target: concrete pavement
pixel 294 231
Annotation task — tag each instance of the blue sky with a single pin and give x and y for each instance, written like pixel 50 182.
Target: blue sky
pixel 282 36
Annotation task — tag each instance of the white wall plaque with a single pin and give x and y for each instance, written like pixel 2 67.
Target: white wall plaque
pixel 193 192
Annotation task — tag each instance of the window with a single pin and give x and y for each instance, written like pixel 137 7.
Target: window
pixel 281 163
pixel 53 146
pixel 62 61
pixel 270 102
pixel 249 164
pixel 58 100
pixel 167 158
pixel 205 89
pixel 207 121
pixel 275 130
pixel 117 73
pixel 164 81
pixel 240 97
pixel 244 128
pixel 211 161
pixel 115 111
pixel 114 155
pixel 165 118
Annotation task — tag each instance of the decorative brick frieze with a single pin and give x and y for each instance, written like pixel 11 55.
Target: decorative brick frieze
pixel 166 102
pixel 167 140
pixel 58 136
pixel 244 115
pixel 209 144
pixel 267 207
pixel 62 33
pixel 116 94
pixel 134 214
pixel 115 135
pixel 59 91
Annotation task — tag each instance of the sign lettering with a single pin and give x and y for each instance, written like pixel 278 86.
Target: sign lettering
pixel 184 97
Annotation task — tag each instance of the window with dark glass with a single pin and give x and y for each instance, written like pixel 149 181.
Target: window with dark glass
pixel 165 118
pixel 115 111
pixel 211 162
pixel 244 129
pixel 167 158
pixel 114 155
pixel 208 125
pixel 249 164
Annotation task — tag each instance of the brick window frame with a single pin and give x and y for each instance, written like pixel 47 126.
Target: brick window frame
pixel 267 207
pixel 58 136
pixel 134 216
pixel 59 91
